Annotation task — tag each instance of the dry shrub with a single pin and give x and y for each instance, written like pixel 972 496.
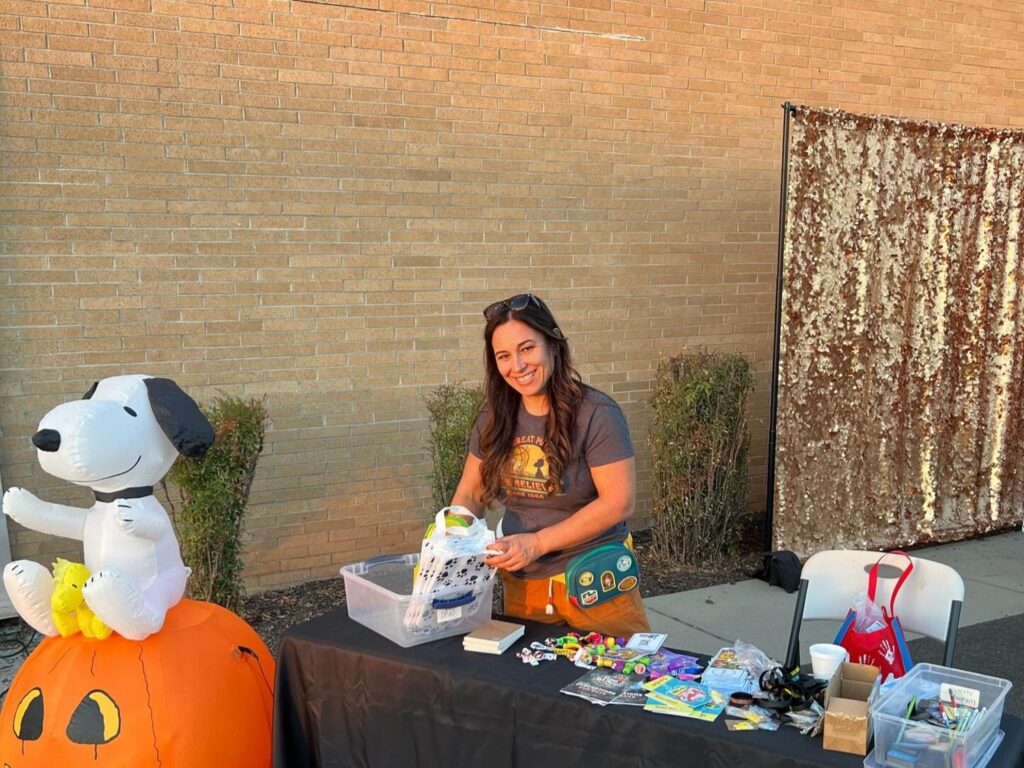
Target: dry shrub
pixel 699 438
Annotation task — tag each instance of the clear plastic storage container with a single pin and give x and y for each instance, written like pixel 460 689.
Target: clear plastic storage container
pixel 900 743
pixel 378 593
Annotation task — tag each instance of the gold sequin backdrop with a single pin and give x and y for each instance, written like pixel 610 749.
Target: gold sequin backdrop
pixel 902 333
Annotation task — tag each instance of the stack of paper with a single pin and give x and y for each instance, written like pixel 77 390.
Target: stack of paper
pixel 493 637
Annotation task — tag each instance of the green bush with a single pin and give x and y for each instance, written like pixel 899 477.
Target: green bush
pixel 214 491
pixel 452 409
pixel 699 439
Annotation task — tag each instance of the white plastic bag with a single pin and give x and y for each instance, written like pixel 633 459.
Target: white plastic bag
pixel 868 616
pixel 463 544
pixel 450 558
pixel 753 659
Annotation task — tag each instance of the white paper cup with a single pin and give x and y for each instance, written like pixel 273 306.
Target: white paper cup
pixel 826 658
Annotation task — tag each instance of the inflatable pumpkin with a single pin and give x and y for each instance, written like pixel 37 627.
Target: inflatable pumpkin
pixel 197 694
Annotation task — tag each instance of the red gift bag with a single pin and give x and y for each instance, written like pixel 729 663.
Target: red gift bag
pixel 884 645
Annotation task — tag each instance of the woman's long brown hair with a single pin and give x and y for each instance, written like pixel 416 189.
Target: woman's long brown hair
pixel 565 393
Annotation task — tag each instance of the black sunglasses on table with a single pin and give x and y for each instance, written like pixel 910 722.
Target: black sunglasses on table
pixel 515 303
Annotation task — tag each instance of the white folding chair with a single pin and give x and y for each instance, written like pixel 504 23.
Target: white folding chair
pixel 928 603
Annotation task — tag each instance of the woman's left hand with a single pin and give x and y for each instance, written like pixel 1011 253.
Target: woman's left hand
pixel 516 551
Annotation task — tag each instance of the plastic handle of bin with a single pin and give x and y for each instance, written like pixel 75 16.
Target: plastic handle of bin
pixel 453 602
pixel 373 562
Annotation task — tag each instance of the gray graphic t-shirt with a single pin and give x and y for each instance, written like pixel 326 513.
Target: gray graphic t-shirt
pixel 600 437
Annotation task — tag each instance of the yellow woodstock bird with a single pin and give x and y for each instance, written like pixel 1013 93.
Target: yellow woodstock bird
pixel 70 613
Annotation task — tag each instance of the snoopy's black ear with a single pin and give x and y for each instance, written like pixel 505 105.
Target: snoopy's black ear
pixel 179 417
pixel 92 391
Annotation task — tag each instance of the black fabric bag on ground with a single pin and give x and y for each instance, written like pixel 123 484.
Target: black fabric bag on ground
pixel 782 569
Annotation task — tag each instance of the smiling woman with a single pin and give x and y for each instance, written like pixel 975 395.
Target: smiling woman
pixel 558 455
pixel 524 361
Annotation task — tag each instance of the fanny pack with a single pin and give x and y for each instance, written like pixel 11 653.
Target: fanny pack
pixel 601 574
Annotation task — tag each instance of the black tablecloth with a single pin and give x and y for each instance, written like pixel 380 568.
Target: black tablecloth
pixel 346 696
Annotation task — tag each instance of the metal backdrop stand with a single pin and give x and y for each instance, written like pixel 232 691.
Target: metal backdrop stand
pixel 769 512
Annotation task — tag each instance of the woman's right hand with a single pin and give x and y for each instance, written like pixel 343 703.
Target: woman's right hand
pixel 515 552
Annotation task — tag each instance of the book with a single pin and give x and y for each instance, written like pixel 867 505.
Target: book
pixel 604 686
pixel 670 696
pixel 487 647
pixel 635 695
pixel 708 714
pixel 493 637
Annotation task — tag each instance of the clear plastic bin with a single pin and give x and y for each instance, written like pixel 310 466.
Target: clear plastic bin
pixel 378 593
pixel 900 743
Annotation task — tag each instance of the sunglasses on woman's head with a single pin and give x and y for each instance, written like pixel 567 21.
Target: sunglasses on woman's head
pixel 515 304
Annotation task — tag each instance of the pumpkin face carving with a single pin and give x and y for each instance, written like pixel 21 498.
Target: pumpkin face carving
pixel 199 693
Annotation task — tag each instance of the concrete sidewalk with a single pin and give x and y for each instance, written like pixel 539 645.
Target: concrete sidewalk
pixel 989 640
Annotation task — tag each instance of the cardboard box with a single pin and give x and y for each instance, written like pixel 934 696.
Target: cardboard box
pixel 847 708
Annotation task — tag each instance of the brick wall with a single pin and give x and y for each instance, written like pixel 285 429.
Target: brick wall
pixel 314 200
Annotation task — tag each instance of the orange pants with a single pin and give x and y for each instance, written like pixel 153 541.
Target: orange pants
pixel 527 599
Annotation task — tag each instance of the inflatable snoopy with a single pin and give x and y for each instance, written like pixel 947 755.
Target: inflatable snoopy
pixel 119 440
